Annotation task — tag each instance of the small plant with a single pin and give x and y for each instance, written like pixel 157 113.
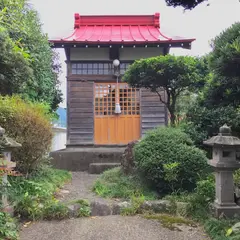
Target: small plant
pixel 56 211
pixel 237 178
pixel 115 184
pixel 135 208
pixel 217 229
pixel 84 210
pixel 8 227
pixel 33 197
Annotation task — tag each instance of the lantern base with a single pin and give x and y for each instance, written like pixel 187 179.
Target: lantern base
pixel 226 211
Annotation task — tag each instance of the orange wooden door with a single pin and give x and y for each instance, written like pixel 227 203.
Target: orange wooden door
pixel 110 128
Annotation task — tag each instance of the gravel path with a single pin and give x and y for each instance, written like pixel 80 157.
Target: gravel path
pixel 81 188
pixel 102 228
pixel 108 228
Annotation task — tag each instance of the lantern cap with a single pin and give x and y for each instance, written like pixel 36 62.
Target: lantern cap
pixel 224 138
pixel 225 130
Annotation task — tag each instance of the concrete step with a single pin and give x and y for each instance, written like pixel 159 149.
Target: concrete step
pixel 97 168
pixel 79 158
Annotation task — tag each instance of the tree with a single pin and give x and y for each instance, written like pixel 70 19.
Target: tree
pixel 24 29
pixel 172 74
pixel 225 57
pixel 14 65
pixel 224 62
pixel 186 4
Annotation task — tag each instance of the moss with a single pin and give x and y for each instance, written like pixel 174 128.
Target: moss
pixel 169 221
pixel 81 202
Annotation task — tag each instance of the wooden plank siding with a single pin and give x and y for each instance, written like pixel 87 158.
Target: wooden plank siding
pixel 153 112
pixel 80 113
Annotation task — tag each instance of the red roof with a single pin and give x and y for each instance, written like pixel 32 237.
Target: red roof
pixel 135 29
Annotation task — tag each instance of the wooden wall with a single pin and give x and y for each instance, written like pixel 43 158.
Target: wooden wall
pixel 153 112
pixel 131 54
pixel 80 101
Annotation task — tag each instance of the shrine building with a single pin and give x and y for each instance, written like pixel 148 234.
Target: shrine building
pixel 101 108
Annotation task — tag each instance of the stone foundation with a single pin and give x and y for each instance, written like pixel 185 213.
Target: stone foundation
pixel 226 211
pixel 79 158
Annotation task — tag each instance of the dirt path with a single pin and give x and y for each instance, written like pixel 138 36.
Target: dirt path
pixel 102 228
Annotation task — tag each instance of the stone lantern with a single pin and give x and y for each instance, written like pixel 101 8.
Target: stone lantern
pixel 224 162
pixel 6 144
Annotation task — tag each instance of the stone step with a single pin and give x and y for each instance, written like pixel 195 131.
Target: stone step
pixel 79 158
pixel 105 208
pixel 97 168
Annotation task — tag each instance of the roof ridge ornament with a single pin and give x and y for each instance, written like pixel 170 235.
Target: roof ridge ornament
pixel 77 20
pixel 157 20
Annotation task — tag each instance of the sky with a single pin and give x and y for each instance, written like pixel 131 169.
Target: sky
pixel 203 23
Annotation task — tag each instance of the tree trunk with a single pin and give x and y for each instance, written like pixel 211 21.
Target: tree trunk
pixel 172 110
pixel 172 119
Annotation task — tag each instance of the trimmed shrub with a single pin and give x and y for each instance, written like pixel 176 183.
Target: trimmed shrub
pixel 166 156
pixel 29 124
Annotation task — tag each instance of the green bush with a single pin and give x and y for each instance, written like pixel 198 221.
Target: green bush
pixel 8 227
pixel 167 157
pixel 205 190
pixel 29 124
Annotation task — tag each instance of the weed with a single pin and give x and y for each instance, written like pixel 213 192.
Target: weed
pixel 56 210
pixel 217 229
pixel 33 197
pixel 135 208
pixel 84 210
pixel 8 227
pixel 115 184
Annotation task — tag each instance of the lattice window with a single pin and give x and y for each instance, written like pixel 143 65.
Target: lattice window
pixel 106 97
pixel 97 68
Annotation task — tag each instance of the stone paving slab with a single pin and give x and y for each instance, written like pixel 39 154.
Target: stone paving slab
pixel 108 228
